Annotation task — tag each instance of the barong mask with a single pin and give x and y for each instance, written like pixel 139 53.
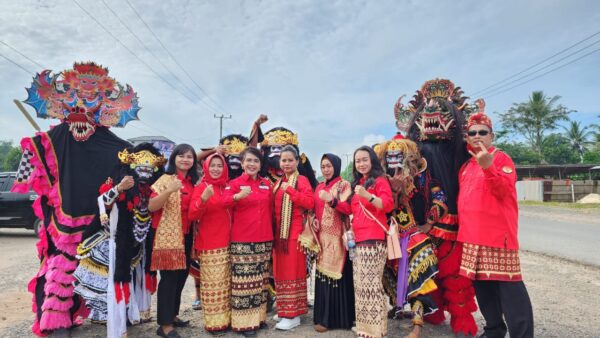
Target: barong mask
pixel 143 163
pixel 432 111
pixel 401 157
pixel 275 140
pixel 235 145
pixel 84 97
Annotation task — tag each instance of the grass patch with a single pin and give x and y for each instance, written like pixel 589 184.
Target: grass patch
pixel 562 204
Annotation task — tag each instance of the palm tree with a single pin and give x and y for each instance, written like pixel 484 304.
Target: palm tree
pixel 578 138
pixel 534 117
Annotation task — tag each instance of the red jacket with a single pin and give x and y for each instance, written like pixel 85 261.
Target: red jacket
pixel 253 215
pixel 214 216
pixel 487 203
pixel 302 200
pixel 364 227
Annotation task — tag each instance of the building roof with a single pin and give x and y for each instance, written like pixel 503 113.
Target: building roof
pixel 140 139
pixel 559 171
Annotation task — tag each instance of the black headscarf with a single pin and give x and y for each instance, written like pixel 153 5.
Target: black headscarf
pixel 336 162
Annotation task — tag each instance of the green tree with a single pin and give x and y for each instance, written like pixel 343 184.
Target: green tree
pixel 557 150
pixel 5 147
pixel 11 161
pixel 519 152
pixel 534 118
pixel 578 138
pixel 347 172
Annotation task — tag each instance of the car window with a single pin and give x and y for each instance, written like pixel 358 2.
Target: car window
pixel 6 183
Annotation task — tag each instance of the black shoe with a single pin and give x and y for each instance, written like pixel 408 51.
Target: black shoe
pixel 250 333
pixel 181 323
pixel 218 333
pixel 264 325
pixel 171 334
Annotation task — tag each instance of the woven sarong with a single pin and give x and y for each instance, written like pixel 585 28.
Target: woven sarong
pixel 215 288
pixel 480 262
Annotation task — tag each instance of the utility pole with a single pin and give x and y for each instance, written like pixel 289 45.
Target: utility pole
pixel 221 123
pixel 347 159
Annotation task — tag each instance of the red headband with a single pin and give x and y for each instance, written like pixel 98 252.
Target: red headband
pixel 479 118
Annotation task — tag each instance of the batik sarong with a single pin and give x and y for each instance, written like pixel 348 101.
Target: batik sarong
pixel 289 270
pixel 480 262
pixel 371 310
pixel 215 288
pixel 249 283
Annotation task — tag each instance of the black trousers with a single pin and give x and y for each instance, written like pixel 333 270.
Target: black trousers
pixel 495 299
pixel 170 287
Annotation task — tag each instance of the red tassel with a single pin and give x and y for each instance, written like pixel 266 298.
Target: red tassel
pixel 464 324
pixel 150 283
pixel 118 292
pixel 126 292
pixel 106 186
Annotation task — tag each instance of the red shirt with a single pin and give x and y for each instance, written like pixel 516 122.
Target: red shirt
pixel 253 215
pixel 364 227
pixel 186 192
pixel 214 228
pixel 487 203
pixel 302 200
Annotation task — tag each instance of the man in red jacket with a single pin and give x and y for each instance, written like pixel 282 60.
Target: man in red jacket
pixel 488 216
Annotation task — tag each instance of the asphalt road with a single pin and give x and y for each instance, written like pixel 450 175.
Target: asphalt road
pixel 565 233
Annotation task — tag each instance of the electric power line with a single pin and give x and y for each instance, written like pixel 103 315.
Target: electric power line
pixel 16 64
pixel 23 55
pixel 131 52
pixel 545 67
pixel 545 73
pixel 476 93
pixel 173 57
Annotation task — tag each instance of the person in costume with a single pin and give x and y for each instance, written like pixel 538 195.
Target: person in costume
pixel 65 166
pixel 113 275
pixel 293 197
pixel 371 200
pixel 435 119
pixel 419 200
pixel 334 288
pixel 211 244
pixel 170 202
pixel 487 205
pixel 271 146
pixel 231 146
pixel 251 244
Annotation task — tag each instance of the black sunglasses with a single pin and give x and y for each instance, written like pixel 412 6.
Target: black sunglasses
pixel 480 132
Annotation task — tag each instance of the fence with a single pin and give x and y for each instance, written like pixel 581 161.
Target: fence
pixel 556 190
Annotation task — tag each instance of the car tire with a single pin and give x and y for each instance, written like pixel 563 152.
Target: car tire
pixel 36 226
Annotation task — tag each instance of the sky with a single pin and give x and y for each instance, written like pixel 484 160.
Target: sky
pixel 330 71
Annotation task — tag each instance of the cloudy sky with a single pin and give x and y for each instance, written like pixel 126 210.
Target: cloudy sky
pixel 329 70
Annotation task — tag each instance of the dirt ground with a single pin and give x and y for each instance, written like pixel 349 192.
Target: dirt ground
pixel 563 294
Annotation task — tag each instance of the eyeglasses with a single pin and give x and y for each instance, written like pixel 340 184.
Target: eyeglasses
pixel 480 132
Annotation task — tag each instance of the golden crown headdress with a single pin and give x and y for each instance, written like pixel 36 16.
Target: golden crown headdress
pixel 235 146
pixel 143 157
pixel 280 137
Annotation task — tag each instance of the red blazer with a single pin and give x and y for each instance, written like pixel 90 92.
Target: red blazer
pixel 364 227
pixel 487 203
pixel 214 228
pixel 253 215
pixel 302 200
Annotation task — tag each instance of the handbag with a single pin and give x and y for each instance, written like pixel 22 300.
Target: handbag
pixel 393 241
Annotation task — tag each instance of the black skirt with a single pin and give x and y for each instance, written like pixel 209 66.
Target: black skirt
pixel 334 300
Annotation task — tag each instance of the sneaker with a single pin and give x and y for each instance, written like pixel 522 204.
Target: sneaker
pixel 287 323
pixel 196 305
pixel 276 318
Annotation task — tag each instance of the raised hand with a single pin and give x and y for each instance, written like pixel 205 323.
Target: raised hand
pixel 207 193
pixel 284 186
pixel 325 196
pixel 126 183
pixel 244 192
pixel 361 191
pixel 174 185
pixel 262 118
pixel 483 156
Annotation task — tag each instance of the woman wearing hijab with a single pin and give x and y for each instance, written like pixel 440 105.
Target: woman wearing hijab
pixel 334 288
pixel 212 244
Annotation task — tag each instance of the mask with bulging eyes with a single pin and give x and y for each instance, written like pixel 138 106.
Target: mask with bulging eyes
pixel 274 156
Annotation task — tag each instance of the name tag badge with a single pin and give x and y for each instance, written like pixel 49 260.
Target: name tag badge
pixel 264 187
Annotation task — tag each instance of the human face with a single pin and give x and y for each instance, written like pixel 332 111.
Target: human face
pixel 184 161
pixel 288 163
pixel 215 168
pixel 251 165
pixel 477 141
pixel 327 169
pixel 362 162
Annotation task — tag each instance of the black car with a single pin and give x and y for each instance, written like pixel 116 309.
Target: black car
pixel 15 209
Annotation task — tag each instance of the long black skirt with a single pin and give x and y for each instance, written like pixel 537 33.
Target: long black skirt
pixel 334 300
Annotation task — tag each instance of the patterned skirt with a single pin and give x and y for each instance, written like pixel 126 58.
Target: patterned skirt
pixel 289 270
pixel 371 309
pixel 480 262
pixel 215 288
pixel 249 284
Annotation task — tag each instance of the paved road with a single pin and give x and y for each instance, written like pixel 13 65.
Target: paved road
pixel 565 233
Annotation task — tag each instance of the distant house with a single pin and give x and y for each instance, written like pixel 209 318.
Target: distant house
pixel 163 144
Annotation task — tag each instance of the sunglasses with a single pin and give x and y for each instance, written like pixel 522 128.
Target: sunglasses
pixel 480 132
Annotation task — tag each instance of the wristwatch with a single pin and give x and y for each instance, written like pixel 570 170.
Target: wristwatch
pixel 372 198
